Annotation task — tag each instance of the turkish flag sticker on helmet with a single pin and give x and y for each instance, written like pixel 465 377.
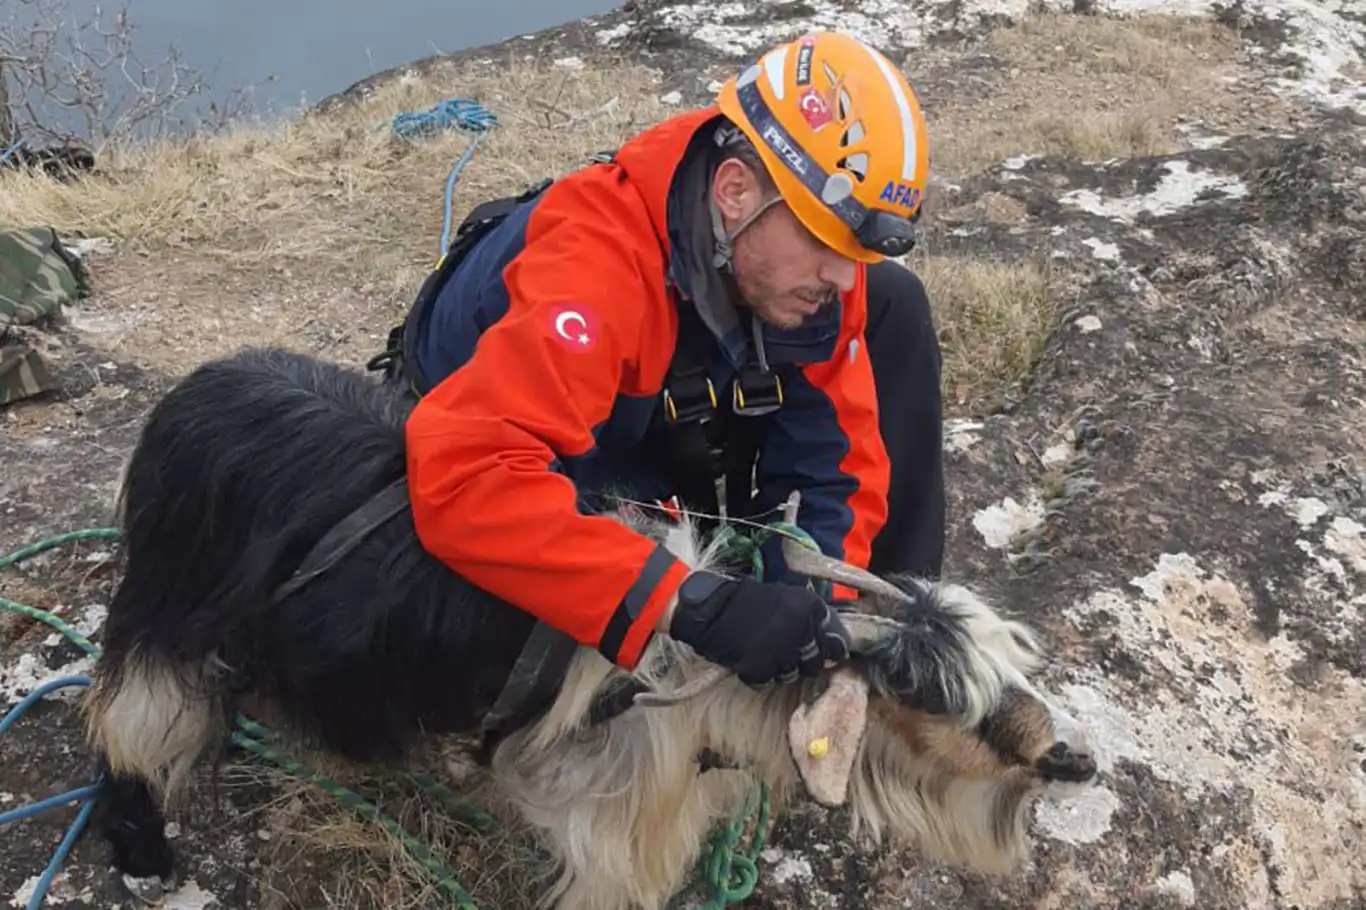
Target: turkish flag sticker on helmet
pixel 815 109
pixel 574 326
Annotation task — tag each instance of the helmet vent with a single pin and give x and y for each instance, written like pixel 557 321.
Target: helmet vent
pixel 857 165
pixel 857 162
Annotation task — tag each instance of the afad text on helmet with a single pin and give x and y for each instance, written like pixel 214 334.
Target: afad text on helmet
pixel 898 193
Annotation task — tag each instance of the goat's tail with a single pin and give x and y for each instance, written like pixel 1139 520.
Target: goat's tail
pixel 148 722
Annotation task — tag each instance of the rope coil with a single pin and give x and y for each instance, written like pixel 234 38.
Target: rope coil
pixel 453 113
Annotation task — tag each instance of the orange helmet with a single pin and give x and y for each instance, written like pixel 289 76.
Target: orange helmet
pixel 842 134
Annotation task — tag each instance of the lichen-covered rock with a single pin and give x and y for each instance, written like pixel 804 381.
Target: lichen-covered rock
pixel 1180 500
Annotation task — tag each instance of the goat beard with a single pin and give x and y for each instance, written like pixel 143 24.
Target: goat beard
pixel 825 736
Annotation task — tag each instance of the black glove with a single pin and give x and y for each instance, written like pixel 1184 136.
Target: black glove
pixel 764 632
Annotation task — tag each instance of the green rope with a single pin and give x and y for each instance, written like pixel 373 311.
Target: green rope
pixel 730 874
pixel 60 540
pixel 250 735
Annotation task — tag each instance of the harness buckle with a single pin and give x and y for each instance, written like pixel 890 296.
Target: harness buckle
pixel 755 393
pixel 689 402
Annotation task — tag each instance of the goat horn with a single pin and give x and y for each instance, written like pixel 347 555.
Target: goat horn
pixel 866 630
pixel 814 564
pixel 709 678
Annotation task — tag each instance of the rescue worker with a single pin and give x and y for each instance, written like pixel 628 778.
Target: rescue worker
pixel 724 263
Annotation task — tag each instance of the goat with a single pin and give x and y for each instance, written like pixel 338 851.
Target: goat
pixel 933 733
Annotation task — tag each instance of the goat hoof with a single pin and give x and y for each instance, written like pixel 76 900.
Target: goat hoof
pixel 150 890
pixel 1063 762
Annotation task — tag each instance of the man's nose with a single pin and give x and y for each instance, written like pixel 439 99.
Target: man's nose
pixel 838 270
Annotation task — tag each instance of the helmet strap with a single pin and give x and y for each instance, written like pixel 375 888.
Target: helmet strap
pixel 724 248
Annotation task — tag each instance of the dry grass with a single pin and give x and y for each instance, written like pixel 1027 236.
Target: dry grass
pixel 324 854
pixel 1094 88
pixel 994 318
pixel 317 233
pixel 340 192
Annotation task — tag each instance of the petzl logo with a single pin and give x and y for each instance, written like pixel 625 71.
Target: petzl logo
pixel 815 109
pixel 900 194
pixel 781 146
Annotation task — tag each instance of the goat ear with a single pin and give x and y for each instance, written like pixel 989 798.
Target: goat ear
pixel 824 737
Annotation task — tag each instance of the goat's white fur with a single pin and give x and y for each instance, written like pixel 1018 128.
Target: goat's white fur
pixel 621 805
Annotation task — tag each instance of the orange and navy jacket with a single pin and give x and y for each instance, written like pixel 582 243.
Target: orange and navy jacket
pixel 548 349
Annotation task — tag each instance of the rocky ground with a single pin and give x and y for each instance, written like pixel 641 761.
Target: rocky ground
pixel 1178 498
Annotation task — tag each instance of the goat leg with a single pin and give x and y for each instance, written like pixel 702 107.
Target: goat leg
pixel 1024 729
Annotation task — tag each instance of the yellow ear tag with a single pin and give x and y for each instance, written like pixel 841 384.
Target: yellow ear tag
pixel 819 748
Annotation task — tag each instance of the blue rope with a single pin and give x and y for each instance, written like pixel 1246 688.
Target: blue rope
pixel 743 543
pixel 4 156
pixel 458 113
pixel 84 794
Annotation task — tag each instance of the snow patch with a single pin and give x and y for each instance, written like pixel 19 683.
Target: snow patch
pixel 1102 250
pixel 1309 510
pixel 1323 46
pixel 960 435
pixel 191 897
pixel 1347 539
pixel 1178 189
pixel 1056 454
pixel 787 867
pixel 30 670
pixel 1083 819
pixel 1179 885
pixel 999 524
pixel 730 28
pixel 1087 324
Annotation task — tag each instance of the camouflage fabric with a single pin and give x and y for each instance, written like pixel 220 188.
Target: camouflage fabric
pixel 23 374
pixel 37 275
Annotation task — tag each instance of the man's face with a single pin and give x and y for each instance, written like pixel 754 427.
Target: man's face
pixel 784 273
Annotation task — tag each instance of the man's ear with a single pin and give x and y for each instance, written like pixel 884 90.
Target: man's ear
pixel 735 191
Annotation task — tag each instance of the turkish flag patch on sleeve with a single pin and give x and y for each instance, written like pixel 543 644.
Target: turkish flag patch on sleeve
pixel 574 326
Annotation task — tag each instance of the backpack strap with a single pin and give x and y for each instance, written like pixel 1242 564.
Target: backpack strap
pixel 397 360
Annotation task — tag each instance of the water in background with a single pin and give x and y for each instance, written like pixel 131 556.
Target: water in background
pixel 292 53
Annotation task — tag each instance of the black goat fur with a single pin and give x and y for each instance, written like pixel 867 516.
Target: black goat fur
pixel 239 471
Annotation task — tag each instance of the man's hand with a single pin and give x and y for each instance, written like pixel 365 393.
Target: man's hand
pixel 764 632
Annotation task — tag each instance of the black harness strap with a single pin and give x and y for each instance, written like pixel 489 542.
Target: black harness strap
pixel 705 442
pixel 541 666
pixel 346 535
